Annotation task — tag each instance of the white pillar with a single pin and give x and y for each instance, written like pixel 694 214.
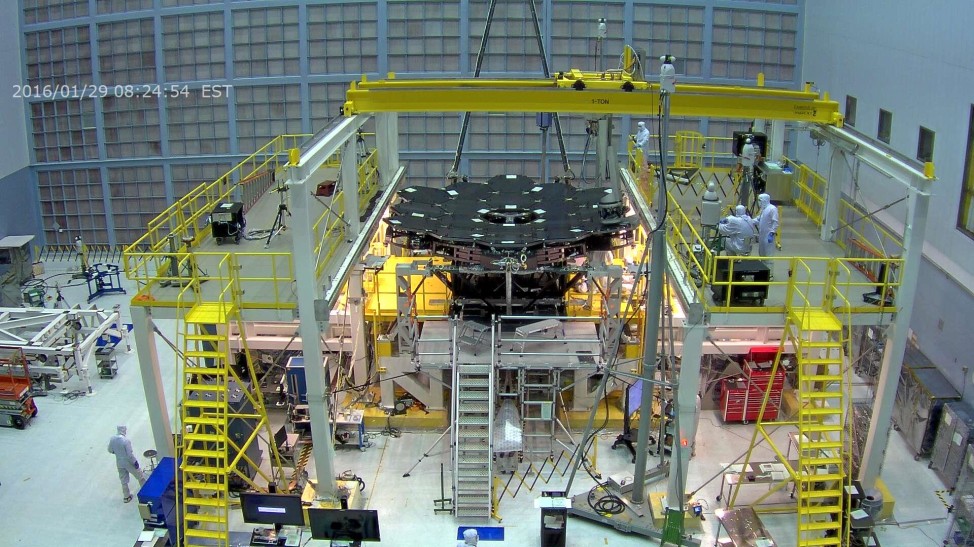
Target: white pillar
pixel 349 177
pixel 387 143
pixel 310 330
pixel 155 397
pixel 688 413
pixel 776 144
pixel 889 376
pixel 356 319
pixel 838 174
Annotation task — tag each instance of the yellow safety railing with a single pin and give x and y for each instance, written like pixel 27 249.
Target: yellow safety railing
pixel 848 285
pixel 182 225
pixel 811 191
pixel 815 278
pixel 689 150
pixel 854 225
pixel 328 232
pixel 368 179
pixel 265 279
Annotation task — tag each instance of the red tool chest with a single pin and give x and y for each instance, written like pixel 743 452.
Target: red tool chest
pixel 741 397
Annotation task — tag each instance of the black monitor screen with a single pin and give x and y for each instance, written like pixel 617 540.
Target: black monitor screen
pixel 280 436
pixel 344 524
pixel 282 509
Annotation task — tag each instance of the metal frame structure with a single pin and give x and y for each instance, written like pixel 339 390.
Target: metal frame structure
pixel 60 342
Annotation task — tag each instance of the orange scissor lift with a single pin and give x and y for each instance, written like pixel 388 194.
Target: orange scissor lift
pixel 16 403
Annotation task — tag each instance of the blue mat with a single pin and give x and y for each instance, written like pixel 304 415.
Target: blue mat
pixel 486 533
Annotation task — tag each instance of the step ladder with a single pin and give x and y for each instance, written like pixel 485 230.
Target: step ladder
pixel 203 450
pixel 473 405
pixel 823 445
pixel 539 388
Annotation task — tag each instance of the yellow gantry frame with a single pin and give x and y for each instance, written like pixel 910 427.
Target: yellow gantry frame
pixel 587 93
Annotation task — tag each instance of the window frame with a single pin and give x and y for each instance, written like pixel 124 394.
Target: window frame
pixel 889 126
pixel 850 110
pixel 925 146
pixel 966 201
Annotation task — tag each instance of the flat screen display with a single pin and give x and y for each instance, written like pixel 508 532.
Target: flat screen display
pixel 284 509
pixel 344 524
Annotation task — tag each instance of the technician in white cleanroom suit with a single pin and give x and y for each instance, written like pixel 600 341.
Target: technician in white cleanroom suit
pixel 642 140
pixel 470 538
pixel 738 231
pixel 767 225
pixel 125 461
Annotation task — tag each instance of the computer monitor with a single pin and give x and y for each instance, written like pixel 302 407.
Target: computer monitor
pixel 280 437
pixel 344 524
pixel 283 509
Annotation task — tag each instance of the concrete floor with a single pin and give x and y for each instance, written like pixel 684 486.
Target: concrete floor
pixel 59 485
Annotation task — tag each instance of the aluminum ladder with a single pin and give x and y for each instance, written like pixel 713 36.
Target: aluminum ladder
pixel 538 391
pixel 473 398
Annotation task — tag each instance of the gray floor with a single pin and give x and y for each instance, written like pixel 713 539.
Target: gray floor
pixel 59 485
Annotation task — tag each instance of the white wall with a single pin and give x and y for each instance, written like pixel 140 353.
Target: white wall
pixel 13 128
pixel 916 60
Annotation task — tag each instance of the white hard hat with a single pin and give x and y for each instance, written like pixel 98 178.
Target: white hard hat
pixel 641 124
pixel 747 140
pixel 740 210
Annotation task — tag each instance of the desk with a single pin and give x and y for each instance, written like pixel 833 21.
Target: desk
pixel 350 419
pixel 733 478
pixel 744 529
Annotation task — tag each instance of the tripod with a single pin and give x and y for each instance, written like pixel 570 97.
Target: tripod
pixel 280 223
pixel 427 452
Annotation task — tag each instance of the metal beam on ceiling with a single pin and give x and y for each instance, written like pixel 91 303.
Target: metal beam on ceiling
pixel 587 94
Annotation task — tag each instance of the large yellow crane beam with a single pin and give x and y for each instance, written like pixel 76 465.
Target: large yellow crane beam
pixel 587 93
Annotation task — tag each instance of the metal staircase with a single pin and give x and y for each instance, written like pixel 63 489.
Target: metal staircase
pixel 539 388
pixel 208 457
pixel 204 413
pixel 824 462
pixel 473 396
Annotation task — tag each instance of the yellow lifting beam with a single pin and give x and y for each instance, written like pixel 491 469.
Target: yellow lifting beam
pixel 587 93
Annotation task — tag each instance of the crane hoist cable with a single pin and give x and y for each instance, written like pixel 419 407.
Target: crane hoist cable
pixel 464 126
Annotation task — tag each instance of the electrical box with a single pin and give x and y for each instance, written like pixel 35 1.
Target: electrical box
pixel 15 258
pixel 227 222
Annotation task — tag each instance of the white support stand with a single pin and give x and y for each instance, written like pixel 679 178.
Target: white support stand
pixel 323 445
pixel 689 413
pixel 889 376
pixel 143 329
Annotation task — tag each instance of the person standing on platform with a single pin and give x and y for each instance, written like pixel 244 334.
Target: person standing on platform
pixel 642 141
pixel 767 226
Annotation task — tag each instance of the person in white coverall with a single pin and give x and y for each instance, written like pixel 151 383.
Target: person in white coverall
pixel 738 232
pixel 767 225
pixel 470 537
pixel 125 461
pixel 642 141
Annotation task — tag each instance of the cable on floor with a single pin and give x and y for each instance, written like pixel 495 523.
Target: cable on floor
pixel 608 504
pixel 390 431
